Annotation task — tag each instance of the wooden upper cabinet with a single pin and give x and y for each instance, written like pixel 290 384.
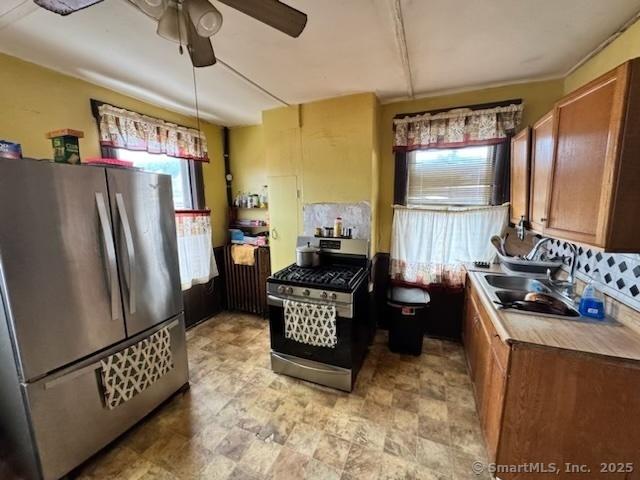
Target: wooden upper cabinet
pixel 541 164
pixel 593 189
pixel 520 176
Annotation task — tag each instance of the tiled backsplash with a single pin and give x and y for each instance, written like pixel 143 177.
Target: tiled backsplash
pixel 619 272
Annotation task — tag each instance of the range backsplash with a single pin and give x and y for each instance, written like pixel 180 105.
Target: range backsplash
pixel 619 272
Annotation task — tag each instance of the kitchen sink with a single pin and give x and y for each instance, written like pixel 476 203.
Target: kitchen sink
pixel 505 289
pixel 507 282
pixel 508 296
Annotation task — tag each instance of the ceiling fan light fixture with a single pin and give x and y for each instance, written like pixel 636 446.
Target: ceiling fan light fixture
pixel 205 17
pixel 153 8
pixel 172 25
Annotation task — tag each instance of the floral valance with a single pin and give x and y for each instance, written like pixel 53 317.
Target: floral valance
pixel 121 128
pixel 456 128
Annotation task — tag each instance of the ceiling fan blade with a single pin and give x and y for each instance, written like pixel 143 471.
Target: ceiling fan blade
pixel 272 12
pixel 65 7
pixel 200 48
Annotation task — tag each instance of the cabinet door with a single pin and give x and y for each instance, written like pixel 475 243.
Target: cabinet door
pixel 483 369
pixel 587 124
pixel 479 354
pixel 541 164
pixel 283 217
pixel 520 176
pixel 471 335
pixel 494 400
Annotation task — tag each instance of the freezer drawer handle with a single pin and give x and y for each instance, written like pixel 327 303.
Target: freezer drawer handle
pixel 111 255
pixel 131 253
pixel 70 376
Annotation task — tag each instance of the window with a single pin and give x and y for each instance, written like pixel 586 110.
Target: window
pixel 455 176
pixel 176 167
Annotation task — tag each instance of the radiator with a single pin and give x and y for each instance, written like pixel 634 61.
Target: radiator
pixel 247 286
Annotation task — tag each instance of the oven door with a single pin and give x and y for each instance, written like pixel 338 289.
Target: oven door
pixel 340 355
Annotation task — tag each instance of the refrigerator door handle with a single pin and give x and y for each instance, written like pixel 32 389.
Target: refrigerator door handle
pixel 131 253
pixel 111 254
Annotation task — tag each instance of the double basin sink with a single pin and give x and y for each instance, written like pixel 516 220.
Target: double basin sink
pixel 507 289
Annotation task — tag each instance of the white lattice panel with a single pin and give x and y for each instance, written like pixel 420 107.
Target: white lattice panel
pixel 136 368
pixel 310 323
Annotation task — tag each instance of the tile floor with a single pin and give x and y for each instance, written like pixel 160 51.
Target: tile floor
pixel 408 417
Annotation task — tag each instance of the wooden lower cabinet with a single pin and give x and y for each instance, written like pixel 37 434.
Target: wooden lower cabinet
pixel 547 406
pixel 486 368
pixel 494 392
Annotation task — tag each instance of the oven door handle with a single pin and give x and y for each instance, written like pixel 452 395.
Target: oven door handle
pixel 327 370
pixel 275 301
pixel 343 311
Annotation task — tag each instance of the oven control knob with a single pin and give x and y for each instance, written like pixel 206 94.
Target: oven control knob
pixel 306 292
pixel 289 290
pixel 280 289
pixel 333 296
pixel 324 295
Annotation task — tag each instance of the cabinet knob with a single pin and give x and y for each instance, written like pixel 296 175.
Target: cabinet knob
pixel 543 220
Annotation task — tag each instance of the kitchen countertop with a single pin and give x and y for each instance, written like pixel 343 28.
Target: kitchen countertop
pixel 615 340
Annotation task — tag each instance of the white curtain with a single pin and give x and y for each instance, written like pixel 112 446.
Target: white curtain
pixel 429 245
pixel 195 252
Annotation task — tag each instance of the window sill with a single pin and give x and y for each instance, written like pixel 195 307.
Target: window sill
pixel 204 211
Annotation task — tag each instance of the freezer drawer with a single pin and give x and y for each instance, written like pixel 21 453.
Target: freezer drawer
pixel 69 418
pixel 58 271
pixel 144 227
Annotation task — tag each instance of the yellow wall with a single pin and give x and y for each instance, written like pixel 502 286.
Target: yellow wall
pixel 35 100
pixel 538 98
pixel 247 159
pixel 337 144
pixel 330 146
pixel 248 165
pixel 625 47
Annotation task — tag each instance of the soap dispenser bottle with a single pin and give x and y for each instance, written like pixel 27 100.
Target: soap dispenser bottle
pixel 592 300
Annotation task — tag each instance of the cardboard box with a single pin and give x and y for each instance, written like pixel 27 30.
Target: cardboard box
pixel 10 150
pixel 66 148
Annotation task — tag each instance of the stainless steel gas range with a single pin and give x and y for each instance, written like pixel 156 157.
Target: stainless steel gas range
pixel 319 319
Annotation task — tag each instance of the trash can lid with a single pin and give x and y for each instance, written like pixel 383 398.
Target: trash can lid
pixel 409 296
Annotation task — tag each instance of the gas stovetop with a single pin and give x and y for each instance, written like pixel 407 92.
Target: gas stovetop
pixel 332 277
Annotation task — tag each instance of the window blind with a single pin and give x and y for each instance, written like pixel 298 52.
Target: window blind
pixel 456 176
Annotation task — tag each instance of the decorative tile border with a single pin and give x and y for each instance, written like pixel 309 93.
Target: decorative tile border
pixel 619 273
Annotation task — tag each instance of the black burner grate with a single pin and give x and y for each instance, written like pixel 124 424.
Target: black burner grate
pixel 341 276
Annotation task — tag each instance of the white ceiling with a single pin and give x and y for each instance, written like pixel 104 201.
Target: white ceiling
pixel 348 46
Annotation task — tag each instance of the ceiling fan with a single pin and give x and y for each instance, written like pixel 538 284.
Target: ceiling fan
pixel 194 22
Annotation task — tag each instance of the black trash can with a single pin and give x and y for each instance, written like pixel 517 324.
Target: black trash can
pixel 408 310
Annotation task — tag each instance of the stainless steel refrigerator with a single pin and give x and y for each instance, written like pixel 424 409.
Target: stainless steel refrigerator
pixel 88 268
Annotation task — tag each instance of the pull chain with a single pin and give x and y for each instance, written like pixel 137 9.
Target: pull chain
pixel 179 9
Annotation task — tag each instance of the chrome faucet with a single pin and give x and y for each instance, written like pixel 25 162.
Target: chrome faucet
pixel 521 231
pixel 534 251
pixel 566 287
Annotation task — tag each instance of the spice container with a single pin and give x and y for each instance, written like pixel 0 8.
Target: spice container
pixel 337 227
